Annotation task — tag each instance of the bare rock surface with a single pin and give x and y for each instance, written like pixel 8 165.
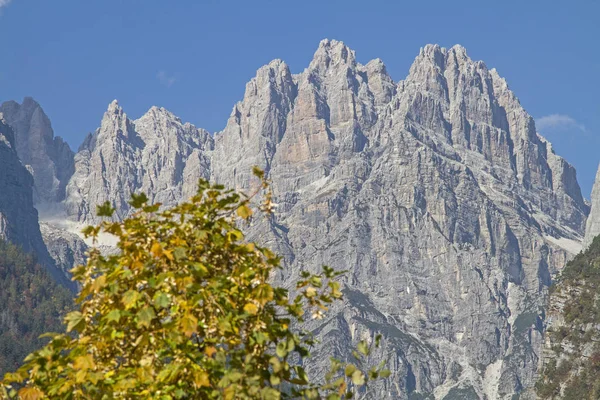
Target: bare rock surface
pixel 436 193
pixel 151 155
pixel 49 158
pixel 438 196
pixel 18 217
pixel 66 248
pixel 593 222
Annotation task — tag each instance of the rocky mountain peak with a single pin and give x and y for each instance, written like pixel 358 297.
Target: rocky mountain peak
pixel 6 133
pixel 432 53
pixel 156 154
pixel 442 175
pixel 158 121
pixel 436 194
pixel 332 54
pixel 273 84
pixel 114 107
pixel 114 112
pixel 115 124
pixel 160 113
pixel 49 158
pixel 18 217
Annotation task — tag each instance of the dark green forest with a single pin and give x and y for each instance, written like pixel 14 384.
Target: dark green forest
pixel 31 303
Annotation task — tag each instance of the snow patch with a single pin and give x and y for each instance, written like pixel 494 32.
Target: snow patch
pixel 55 216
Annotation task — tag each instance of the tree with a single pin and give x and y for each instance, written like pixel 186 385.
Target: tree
pixel 186 310
pixel 31 303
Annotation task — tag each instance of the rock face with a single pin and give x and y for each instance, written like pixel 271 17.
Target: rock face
pixel 18 217
pixel 152 154
pixel 66 249
pixel 435 193
pixel 592 228
pixel 49 158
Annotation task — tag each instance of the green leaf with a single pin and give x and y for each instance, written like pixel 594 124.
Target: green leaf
pixel 179 253
pixel 145 317
pixel 234 376
pixel 161 300
pixel 385 373
pixel 244 211
pixel 275 380
pixel 152 209
pixel 130 298
pixel 363 347
pixel 138 200
pixel 105 210
pixel 302 375
pixel 74 320
pixel 349 370
pixel 259 173
pixel 358 378
pixel 281 349
pixel 114 315
pixel 90 230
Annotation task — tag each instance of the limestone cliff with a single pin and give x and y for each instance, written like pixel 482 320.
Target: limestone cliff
pixel 436 193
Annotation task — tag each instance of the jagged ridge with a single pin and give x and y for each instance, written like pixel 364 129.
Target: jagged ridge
pixel 435 192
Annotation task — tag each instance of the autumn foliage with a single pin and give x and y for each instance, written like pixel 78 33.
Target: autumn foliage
pixel 186 310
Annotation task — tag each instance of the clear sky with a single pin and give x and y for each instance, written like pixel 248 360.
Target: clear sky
pixel 194 57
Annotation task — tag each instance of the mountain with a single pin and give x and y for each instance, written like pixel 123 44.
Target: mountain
pixel 436 193
pixel 18 217
pixel 449 212
pixel 67 249
pixel 156 154
pixel 48 158
pixel 593 222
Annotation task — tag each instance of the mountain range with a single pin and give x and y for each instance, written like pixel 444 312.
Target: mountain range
pixel 436 193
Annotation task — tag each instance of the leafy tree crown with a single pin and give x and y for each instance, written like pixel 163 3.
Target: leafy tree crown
pixel 186 310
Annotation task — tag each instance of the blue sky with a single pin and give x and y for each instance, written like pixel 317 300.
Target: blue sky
pixel 195 57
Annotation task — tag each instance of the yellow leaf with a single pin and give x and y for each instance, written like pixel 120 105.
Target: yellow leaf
pixel 210 351
pixel 143 374
pixel 130 298
pixel 229 393
pixel 30 393
pixel 74 320
pixel 84 362
pixel 81 376
pixel 157 249
pixel 251 309
pixel 189 324
pixel 201 378
pixel 125 384
pixel 168 254
pixel 99 283
pixel 244 211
